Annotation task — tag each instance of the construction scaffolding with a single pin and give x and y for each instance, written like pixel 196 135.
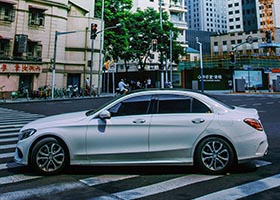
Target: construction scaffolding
pixel 267 17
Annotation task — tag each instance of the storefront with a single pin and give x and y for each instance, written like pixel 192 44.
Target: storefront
pixel 14 76
pixel 223 79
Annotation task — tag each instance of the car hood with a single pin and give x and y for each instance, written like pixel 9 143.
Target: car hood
pixel 250 112
pixel 55 120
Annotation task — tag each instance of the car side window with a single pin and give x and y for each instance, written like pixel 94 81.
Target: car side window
pixel 173 104
pixel 199 107
pixel 132 106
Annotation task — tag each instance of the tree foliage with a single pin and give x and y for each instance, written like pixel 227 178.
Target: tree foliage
pixel 134 40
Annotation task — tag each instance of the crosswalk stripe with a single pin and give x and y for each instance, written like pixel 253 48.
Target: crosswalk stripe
pixel 16 178
pixel 93 181
pixel 51 189
pixel 105 179
pixel 9 134
pixel 158 187
pixel 9 165
pixel 244 190
pixel 8 146
pixel 7 155
pixel 9 140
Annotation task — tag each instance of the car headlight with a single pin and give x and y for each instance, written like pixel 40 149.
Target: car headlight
pixel 26 133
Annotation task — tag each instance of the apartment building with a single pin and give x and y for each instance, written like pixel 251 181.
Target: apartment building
pixel 27 39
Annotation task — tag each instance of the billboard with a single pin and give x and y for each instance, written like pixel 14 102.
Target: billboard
pixel 252 77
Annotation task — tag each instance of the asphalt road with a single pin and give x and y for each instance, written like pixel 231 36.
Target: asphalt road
pixel 254 180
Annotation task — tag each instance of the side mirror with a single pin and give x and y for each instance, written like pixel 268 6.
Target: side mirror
pixel 105 114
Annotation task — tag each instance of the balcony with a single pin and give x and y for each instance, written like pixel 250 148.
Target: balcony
pixel 177 7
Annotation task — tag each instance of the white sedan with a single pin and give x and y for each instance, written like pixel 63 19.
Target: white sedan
pixel 158 127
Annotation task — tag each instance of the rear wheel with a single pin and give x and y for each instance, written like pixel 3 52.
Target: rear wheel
pixel 49 156
pixel 214 155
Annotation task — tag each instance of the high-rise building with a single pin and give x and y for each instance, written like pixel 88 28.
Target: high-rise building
pixel 243 16
pixel 207 15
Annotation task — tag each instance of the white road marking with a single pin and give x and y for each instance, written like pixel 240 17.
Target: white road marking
pixel 158 187
pixel 244 190
pixel 7 155
pixel 105 179
pixel 7 146
pixel 16 179
pixel 9 140
pixel 9 165
pixel 93 181
pixel 261 163
pixel 41 191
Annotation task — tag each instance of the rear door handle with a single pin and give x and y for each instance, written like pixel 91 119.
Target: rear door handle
pixel 139 121
pixel 198 121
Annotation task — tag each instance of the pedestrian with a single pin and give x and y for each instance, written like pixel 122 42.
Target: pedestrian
pixel 149 83
pixel 123 87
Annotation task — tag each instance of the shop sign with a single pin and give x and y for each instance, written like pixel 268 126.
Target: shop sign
pixel 20 68
pixel 211 78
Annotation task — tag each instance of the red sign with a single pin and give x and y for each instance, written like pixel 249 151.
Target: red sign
pixel 20 68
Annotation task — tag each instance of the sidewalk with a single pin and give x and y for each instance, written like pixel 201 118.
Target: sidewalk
pixel 210 92
pixel 24 100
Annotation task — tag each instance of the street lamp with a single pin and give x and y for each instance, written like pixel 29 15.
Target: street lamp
pixel 54 55
pixel 201 64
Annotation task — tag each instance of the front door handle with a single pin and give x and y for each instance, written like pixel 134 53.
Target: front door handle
pixel 198 121
pixel 139 121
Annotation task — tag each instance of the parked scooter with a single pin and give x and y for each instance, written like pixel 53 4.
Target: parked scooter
pixel 72 91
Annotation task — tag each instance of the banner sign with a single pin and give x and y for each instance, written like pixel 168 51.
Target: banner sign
pixel 20 68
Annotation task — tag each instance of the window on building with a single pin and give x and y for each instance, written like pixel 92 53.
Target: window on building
pixel 20 46
pixel 7 12
pixel 224 42
pixel 4 49
pixel 34 51
pixel 36 17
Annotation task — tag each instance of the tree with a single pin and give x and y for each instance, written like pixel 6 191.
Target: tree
pixel 133 41
pixel 115 12
pixel 144 27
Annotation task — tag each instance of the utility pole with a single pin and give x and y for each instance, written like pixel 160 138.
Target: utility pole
pixel 201 65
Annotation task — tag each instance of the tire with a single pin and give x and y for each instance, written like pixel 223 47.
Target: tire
pixel 49 156
pixel 214 155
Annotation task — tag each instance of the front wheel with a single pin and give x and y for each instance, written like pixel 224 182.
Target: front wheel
pixel 214 155
pixel 49 156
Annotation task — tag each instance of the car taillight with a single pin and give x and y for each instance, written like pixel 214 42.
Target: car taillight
pixel 254 123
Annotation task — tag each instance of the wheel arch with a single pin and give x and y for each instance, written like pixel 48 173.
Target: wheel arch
pixel 217 136
pixel 49 136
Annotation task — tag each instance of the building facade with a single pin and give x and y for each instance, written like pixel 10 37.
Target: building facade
pixel 27 40
pixel 207 15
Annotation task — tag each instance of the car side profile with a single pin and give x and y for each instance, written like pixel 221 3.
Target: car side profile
pixel 158 127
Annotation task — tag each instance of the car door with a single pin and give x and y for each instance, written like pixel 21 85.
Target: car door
pixel 124 136
pixel 176 124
